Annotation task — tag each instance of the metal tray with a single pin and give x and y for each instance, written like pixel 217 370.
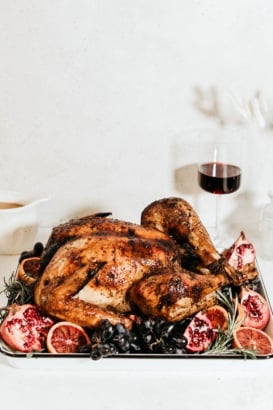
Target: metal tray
pixel 120 361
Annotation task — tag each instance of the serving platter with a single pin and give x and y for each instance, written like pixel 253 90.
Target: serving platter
pixel 45 360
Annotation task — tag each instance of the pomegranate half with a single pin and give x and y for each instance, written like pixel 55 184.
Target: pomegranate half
pixel 199 333
pixel 25 328
pixel 253 309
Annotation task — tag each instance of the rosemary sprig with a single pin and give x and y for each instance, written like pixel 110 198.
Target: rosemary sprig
pixel 16 291
pixel 223 341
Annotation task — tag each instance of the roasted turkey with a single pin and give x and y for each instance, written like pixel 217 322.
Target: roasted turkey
pixel 97 268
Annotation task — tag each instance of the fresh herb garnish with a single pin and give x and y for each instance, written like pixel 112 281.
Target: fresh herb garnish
pixel 17 291
pixel 223 342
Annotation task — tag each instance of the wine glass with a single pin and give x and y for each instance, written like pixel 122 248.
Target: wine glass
pixel 220 167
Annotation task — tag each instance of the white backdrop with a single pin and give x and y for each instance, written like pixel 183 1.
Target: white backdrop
pixel 93 92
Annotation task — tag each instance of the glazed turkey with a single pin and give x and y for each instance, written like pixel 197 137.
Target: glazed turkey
pixel 97 268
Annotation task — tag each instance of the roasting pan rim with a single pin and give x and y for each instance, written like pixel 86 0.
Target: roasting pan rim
pixel 16 359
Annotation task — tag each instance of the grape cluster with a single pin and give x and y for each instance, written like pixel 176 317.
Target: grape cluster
pixel 36 251
pixel 108 340
pixel 254 284
pixel 148 335
pixel 156 335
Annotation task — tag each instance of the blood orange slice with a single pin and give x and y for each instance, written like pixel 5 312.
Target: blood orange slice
pixel 218 317
pixel 66 337
pixel 28 270
pixel 252 339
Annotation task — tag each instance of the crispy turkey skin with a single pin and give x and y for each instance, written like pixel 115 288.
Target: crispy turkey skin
pixel 97 268
pixel 94 273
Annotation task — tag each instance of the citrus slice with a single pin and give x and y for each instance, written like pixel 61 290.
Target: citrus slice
pixel 28 270
pixel 252 339
pixel 66 337
pixel 218 316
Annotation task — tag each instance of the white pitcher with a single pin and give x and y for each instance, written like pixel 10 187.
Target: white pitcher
pixel 19 221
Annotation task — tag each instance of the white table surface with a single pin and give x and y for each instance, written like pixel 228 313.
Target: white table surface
pixel 134 384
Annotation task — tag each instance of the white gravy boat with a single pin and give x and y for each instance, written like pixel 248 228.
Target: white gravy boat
pixel 19 221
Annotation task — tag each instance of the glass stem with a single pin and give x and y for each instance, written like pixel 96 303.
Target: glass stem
pixel 217 219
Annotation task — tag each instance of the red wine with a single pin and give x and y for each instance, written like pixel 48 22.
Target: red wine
pixel 219 178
